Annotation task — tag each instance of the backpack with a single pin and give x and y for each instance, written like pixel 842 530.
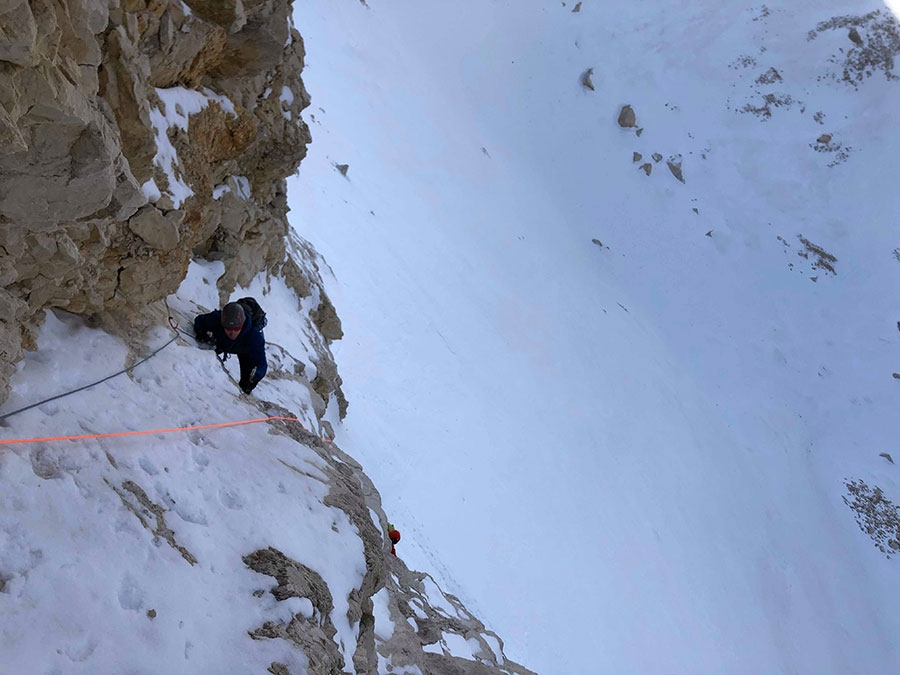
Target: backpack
pixel 257 315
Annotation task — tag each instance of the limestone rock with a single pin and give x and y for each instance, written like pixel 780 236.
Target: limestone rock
pixel 418 624
pixel 636 157
pixel 19 30
pixel 674 164
pixel 189 48
pixel 586 81
pixel 11 139
pixel 158 230
pixel 226 13
pixel 647 168
pixel 315 636
pixel 627 118
pixel 326 319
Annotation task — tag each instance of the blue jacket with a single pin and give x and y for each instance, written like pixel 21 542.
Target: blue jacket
pixel 249 345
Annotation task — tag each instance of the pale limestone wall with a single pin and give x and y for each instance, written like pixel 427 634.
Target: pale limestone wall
pixel 104 198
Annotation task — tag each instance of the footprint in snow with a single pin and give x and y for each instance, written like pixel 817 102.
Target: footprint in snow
pixel 131 595
pixel 44 464
pixel 231 498
pixel 82 651
pixel 200 457
pixel 148 466
pixel 187 511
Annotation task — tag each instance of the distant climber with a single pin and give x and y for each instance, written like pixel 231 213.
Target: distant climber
pixel 394 536
pixel 237 329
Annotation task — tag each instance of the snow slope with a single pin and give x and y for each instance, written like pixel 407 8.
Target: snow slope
pixel 146 515
pixel 86 588
pixel 613 410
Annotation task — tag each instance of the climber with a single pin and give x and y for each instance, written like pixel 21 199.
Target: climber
pixel 394 536
pixel 233 331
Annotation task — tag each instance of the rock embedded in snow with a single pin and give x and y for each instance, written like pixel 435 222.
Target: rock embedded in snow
pixel 876 515
pixel 674 164
pixel 627 118
pixel 586 81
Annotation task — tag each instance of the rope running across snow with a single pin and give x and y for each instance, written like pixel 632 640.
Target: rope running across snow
pixel 153 431
pixel 92 384
pixel 174 324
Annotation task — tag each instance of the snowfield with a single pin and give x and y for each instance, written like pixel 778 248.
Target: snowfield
pixel 619 411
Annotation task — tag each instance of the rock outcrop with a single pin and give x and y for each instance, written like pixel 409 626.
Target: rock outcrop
pixel 405 620
pixel 134 135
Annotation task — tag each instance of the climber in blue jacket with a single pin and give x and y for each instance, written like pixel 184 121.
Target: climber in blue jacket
pixel 231 331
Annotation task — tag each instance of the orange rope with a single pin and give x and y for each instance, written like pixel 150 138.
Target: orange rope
pixel 152 431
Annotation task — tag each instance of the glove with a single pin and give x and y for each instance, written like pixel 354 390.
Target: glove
pixel 205 337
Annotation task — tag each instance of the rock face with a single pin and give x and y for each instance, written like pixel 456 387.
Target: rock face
pixel 135 134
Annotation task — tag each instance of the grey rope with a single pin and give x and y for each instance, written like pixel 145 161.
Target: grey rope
pixel 92 384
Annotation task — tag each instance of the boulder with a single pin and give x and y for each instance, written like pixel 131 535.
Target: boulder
pixel 627 118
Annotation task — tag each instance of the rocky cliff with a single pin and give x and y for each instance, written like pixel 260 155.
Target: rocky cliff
pixel 135 134
pixel 135 137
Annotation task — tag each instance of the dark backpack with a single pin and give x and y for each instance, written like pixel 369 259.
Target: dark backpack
pixel 257 315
